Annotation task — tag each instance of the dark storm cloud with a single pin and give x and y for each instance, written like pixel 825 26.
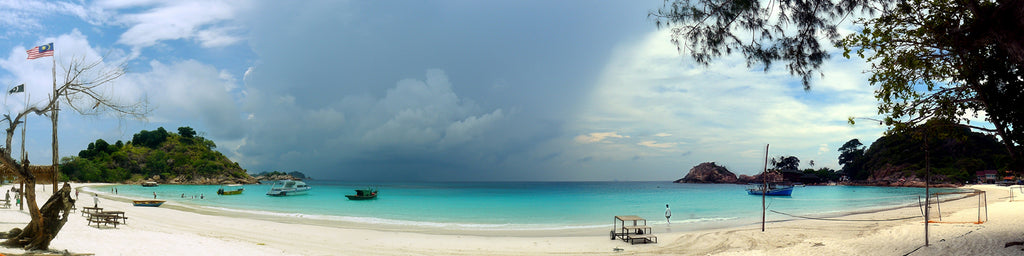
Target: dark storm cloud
pixel 339 89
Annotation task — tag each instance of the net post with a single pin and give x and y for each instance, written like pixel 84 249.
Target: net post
pixel 985 194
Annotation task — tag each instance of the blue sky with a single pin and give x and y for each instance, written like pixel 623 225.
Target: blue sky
pixel 431 90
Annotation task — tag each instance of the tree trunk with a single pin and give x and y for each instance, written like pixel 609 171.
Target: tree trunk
pixel 40 231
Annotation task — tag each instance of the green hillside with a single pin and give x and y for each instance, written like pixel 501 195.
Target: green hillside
pixel 955 154
pixel 179 157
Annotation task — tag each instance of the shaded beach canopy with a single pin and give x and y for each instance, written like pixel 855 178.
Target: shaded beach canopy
pixel 43 173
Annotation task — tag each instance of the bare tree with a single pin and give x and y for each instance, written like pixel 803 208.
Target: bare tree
pixel 81 91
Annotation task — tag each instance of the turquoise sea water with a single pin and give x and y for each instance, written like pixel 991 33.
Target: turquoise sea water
pixel 530 205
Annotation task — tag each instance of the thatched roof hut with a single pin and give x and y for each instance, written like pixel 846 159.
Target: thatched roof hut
pixel 43 173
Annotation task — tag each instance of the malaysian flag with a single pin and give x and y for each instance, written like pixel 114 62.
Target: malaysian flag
pixel 40 51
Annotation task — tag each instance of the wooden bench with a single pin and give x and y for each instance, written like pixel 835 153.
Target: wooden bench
pixel 646 238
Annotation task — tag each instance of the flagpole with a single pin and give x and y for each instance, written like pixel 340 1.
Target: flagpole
pixel 53 118
pixel 23 124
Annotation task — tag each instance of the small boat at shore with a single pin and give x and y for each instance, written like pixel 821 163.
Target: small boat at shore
pixel 149 203
pixel 363 194
pixel 772 190
pixel 150 184
pixel 288 188
pixel 233 189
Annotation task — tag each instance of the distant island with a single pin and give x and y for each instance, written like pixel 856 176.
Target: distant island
pixel 160 156
pixel 898 159
pixel 276 175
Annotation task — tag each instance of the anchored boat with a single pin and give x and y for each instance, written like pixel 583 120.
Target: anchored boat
pixel 233 189
pixel 288 188
pixel 149 203
pixel 772 190
pixel 363 194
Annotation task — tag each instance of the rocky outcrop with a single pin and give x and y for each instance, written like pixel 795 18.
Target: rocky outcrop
pixel 772 176
pixel 898 176
pixel 708 172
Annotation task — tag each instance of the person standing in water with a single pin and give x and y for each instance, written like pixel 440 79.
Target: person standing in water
pixel 668 214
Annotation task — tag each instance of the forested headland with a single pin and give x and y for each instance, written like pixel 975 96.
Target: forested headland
pixel 953 153
pixel 948 153
pixel 158 155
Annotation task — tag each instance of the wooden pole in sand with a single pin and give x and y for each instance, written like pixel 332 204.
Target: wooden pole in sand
pixel 927 185
pixel 764 190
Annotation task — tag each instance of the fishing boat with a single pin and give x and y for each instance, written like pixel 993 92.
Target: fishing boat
pixel 288 188
pixel 149 203
pixel 233 189
pixel 772 190
pixel 150 184
pixel 363 194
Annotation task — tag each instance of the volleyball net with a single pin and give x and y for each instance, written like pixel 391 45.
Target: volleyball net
pixel 956 205
pixel 941 207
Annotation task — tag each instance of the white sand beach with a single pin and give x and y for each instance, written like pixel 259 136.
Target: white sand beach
pixel 170 231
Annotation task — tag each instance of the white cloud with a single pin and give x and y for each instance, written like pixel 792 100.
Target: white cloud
pixel 725 112
pixel 26 16
pixel 36 74
pixel 218 37
pixel 597 137
pixel 662 134
pixel 210 23
pixel 190 91
pixel 175 20
pixel 655 144
pixel 469 128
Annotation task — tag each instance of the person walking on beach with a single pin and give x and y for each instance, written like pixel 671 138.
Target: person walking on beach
pixel 668 214
pixel 95 200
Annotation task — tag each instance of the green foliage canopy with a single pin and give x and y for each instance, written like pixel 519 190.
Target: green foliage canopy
pixel 930 58
pixel 150 153
pixel 786 163
pixel 956 153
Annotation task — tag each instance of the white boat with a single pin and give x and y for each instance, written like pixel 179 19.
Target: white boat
pixel 288 188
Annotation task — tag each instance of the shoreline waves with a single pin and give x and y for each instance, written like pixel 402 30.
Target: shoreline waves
pixel 202 230
pixel 527 208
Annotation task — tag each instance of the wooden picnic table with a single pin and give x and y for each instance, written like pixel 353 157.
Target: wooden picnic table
pixel 119 215
pixel 103 218
pixel 91 210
